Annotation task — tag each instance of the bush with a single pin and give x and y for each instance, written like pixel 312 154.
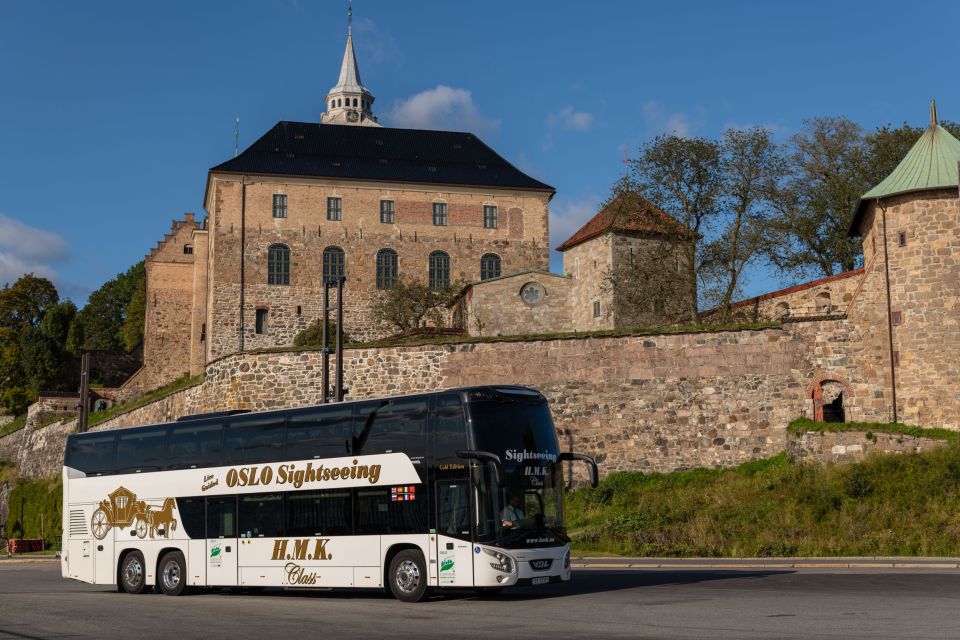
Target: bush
pixel 312 336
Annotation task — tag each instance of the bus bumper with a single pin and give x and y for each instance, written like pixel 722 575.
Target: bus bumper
pixel 528 567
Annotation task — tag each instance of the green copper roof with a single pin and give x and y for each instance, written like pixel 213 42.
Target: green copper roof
pixel 930 164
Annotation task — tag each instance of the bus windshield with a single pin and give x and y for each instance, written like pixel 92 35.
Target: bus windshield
pixel 528 509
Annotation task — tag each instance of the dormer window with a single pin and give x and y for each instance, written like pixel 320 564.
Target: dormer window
pixel 187 249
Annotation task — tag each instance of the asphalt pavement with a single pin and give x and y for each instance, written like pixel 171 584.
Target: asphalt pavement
pixel 605 601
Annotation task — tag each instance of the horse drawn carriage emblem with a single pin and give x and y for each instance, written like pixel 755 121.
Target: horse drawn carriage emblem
pixel 123 509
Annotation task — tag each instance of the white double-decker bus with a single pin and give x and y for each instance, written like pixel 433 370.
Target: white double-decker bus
pixel 459 488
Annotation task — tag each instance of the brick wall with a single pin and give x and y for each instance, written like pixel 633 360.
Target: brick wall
pixel 495 307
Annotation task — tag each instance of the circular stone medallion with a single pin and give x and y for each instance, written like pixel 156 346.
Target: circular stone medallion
pixel 533 293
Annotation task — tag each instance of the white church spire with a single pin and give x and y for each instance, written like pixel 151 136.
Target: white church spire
pixel 349 102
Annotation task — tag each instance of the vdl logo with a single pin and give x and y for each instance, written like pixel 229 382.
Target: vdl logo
pixel 541 565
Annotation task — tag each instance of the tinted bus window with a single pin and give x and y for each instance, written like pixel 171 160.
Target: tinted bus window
pixel 319 433
pixel 385 426
pixel 194 445
pixel 387 510
pixel 261 515
pixel 319 513
pixel 253 439
pixel 192 514
pixel 450 432
pixel 94 454
pixel 222 517
pixel 142 450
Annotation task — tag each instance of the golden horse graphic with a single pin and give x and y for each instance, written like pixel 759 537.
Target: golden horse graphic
pixel 122 509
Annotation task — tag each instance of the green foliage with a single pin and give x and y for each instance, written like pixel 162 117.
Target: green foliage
pixel 41 509
pixel 131 331
pixel 409 303
pixel 182 383
pixel 312 336
pixel 22 307
pixel 886 505
pixel 14 425
pixel 806 425
pixel 43 355
pixel 101 321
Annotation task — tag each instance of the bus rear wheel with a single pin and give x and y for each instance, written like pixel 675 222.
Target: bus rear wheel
pixel 408 576
pixel 133 577
pixel 172 576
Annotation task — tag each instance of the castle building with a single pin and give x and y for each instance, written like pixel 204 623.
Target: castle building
pixel 309 202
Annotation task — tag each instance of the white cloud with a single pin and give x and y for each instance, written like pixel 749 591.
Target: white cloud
pixel 444 108
pixel 568 215
pixel 657 119
pixel 26 249
pixel 567 119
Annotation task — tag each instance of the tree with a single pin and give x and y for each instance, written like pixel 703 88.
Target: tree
pixel 22 307
pixel 102 319
pixel 409 304
pixel 131 331
pixel 44 358
pixel 828 175
pixel 312 336
pixel 887 146
pixel 752 166
pixel 683 177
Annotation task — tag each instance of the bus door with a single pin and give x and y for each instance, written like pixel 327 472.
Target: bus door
pixel 222 548
pixel 452 561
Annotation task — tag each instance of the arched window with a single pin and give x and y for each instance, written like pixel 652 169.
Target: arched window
pixel 439 270
pixel 333 263
pixel 822 302
pixel 489 266
pixel 278 264
pixel 386 268
pixel 782 310
pixel 354 102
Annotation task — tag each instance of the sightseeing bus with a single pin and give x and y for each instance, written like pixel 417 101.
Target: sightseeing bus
pixel 453 489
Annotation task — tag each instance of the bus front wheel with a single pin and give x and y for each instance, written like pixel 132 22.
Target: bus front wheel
pixel 408 576
pixel 133 577
pixel 172 576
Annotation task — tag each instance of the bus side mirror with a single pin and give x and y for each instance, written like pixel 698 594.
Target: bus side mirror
pixel 569 456
pixel 491 459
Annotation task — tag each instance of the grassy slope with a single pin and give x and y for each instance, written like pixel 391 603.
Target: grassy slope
pixel 182 383
pixel 886 505
pixel 805 425
pixel 15 425
pixel 42 497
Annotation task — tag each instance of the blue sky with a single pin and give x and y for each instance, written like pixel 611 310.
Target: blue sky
pixel 111 113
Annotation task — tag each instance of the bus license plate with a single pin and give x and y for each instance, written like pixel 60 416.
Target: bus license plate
pixel 542 580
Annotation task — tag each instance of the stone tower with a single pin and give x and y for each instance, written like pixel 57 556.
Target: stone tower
pixel 909 306
pixel 349 102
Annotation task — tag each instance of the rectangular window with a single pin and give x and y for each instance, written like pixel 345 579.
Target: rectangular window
pixel 334 209
pixel 385 426
pixel 192 514
pixel 261 515
pixel 440 214
pixel 279 205
pixel 902 238
pixel 94 454
pixel 596 309
pixel 896 318
pixel 222 517
pixel 489 216
pixel 191 446
pixel 450 430
pixel 319 433
pixel 141 450
pixel 250 439
pixel 386 510
pixel 261 324
pixel 386 211
pixel 319 513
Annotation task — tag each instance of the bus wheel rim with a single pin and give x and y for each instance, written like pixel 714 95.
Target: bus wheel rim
pixel 171 575
pixel 408 576
pixel 133 572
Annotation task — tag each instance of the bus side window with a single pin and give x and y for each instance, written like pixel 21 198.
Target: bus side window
pixel 141 450
pixel 386 510
pixel 316 513
pixel 450 433
pixel 253 439
pixel 222 517
pixel 261 515
pixel 319 433
pixel 195 445
pixel 192 512
pixel 94 453
pixel 386 426
pixel 454 508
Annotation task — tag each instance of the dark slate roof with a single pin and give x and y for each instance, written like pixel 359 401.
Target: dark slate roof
pixel 378 153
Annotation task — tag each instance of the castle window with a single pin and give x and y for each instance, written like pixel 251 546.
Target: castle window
pixel 354 102
pixel 902 238
pixel 278 264
pixel 489 266
pixel 333 263
pixel 386 211
pixel 279 205
pixel 781 311
pixel 339 102
pixel 596 309
pixel 822 302
pixel 440 214
pixel 439 270
pixel 334 209
pixel 386 268
pixel 489 216
pixel 896 318
pixel 187 249
pixel 299 310
pixel 261 324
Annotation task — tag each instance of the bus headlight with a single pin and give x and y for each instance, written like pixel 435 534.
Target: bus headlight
pixel 503 562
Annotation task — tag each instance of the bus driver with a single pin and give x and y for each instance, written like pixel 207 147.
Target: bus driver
pixel 512 513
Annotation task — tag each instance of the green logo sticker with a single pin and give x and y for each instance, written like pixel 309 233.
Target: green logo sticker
pixel 446 565
pixel 214 552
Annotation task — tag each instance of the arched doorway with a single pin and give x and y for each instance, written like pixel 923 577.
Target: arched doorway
pixel 828 394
